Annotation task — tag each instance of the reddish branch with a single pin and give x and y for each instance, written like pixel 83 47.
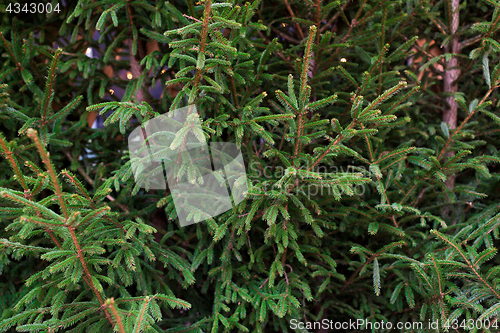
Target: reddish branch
pixel 20 178
pixel 111 304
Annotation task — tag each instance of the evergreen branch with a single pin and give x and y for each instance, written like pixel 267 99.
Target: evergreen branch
pixel 69 107
pixel 46 160
pixel 111 304
pixel 353 276
pixel 8 47
pixel 368 144
pixel 8 155
pixel 405 97
pixel 353 23
pixel 6 193
pixel 334 18
pixel 380 59
pixel 330 146
pixel 439 283
pixel 396 153
pixel 348 76
pixel 49 88
pixel 379 254
pixel 262 60
pixel 318 20
pixel 138 325
pixel 243 63
pixel 491 225
pixel 286 36
pixel 459 128
pixel 298 135
pixel 233 91
pixel 87 273
pixel 286 101
pixel 395 161
pixel 76 183
pixel 203 45
pixel 493 26
pixel 471 266
pixel 91 182
pixel 99 212
pixel 387 94
pixel 43 222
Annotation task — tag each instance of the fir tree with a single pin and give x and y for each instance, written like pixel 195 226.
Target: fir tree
pixel 372 185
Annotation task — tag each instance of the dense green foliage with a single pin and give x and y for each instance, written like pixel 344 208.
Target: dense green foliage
pixel 363 203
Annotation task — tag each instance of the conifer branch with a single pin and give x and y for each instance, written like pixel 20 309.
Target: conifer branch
pixel 46 160
pixel 282 57
pixel 333 19
pixel 141 316
pixel 224 59
pixel 330 147
pixel 87 273
pixel 286 36
pixel 203 45
pixel 438 276
pixel 318 21
pixel 53 237
pixel 353 276
pixel 304 88
pixel 372 257
pixel 297 26
pixel 353 24
pixel 305 64
pixel 8 47
pixel 469 116
pixel 91 182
